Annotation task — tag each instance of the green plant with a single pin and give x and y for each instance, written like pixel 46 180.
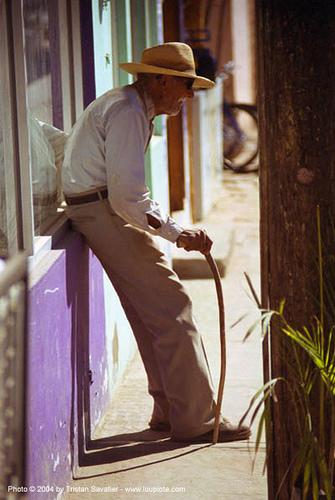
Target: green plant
pixel 310 368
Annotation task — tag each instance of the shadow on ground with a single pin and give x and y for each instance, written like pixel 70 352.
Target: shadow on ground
pixel 128 446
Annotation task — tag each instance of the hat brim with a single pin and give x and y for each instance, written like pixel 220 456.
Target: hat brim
pixel 135 68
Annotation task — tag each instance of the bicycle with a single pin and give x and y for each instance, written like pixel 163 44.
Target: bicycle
pixel 240 136
pixel 240 123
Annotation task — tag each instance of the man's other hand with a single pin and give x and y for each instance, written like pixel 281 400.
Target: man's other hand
pixel 197 239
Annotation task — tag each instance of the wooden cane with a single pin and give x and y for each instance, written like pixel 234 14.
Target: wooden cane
pixel 218 285
pixel 217 279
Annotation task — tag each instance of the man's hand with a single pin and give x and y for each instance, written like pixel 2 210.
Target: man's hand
pixel 197 239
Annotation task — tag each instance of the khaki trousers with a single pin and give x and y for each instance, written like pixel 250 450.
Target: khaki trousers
pixel 160 313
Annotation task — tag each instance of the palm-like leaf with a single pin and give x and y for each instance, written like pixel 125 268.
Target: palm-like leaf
pixel 303 372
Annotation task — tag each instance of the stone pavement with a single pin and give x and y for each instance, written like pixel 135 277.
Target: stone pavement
pixel 126 459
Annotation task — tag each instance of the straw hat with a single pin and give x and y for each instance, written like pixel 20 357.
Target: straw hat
pixel 172 58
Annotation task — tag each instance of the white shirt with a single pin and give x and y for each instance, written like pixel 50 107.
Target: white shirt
pixel 106 147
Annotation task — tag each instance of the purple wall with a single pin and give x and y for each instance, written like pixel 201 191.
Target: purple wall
pixel 97 343
pixel 66 342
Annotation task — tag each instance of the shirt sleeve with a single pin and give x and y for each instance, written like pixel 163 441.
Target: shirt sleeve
pixel 127 135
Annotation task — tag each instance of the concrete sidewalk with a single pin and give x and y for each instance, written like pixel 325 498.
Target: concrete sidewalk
pixel 126 459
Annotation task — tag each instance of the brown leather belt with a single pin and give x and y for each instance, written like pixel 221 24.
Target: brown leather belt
pixel 86 198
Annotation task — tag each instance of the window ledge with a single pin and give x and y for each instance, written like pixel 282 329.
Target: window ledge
pixel 46 243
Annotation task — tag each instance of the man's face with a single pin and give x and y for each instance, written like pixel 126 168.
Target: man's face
pixel 175 91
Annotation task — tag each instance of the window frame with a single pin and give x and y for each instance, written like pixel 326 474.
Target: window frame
pixel 8 96
pixel 20 109
pixel 18 182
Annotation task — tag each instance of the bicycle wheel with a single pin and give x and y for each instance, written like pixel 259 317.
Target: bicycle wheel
pixel 240 136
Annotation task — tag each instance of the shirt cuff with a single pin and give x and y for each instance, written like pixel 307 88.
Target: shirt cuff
pixel 170 230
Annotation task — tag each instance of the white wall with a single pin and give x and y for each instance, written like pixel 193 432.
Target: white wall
pixel 241 47
pixel 207 148
pixel 102 34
